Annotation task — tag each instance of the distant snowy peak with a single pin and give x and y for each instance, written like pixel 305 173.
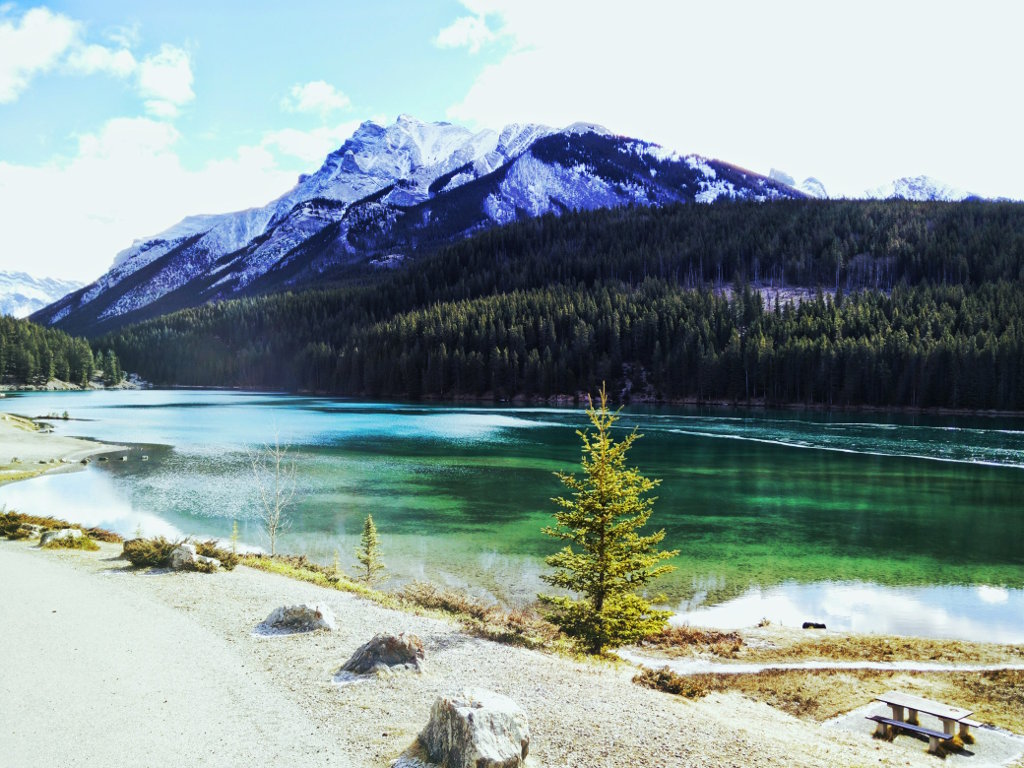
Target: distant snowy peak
pixel 918 188
pixel 813 188
pixel 22 294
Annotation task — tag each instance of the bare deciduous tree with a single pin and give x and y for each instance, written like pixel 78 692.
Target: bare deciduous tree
pixel 275 485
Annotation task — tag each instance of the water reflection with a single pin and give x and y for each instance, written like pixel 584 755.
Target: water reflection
pixel 980 613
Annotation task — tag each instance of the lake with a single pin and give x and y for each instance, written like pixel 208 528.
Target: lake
pixel 877 523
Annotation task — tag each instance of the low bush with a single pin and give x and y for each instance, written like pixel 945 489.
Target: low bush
pixel 17 532
pixel 519 626
pixel 152 553
pixel 210 548
pixel 666 680
pixel 156 553
pixel 81 542
pixel 10 522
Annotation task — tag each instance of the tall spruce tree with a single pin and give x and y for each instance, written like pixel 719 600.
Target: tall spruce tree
pixel 607 559
pixel 371 566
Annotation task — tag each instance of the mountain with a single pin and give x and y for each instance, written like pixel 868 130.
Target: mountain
pixel 22 294
pixel 919 188
pixel 387 194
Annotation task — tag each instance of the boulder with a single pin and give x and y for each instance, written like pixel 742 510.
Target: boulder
pixel 386 654
pixel 63 533
pixel 300 618
pixel 477 729
pixel 184 558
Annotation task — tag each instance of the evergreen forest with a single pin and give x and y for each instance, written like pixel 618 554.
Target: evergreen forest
pixel 901 304
pixel 31 354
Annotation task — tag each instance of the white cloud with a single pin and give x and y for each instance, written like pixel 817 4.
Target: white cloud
pixel 853 96
pixel 31 45
pixel 70 217
pixel 316 96
pixel 165 81
pixel 89 59
pixel 309 146
pixel 469 32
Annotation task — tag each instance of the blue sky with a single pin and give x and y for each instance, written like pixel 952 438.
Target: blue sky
pixel 119 118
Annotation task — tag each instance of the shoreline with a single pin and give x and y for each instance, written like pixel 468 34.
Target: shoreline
pixel 557 401
pixel 186 667
pixel 28 451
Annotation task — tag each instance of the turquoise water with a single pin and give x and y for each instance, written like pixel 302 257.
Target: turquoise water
pixel 861 520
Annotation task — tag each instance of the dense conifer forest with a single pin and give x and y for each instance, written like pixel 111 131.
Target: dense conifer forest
pixel 31 354
pixel 911 304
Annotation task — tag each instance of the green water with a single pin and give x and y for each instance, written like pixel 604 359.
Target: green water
pixel 761 502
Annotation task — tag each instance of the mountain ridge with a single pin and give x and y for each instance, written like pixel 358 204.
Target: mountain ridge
pixel 387 193
pixel 21 294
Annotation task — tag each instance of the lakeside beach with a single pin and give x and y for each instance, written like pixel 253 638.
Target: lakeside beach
pixel 173 655
pixel 26 450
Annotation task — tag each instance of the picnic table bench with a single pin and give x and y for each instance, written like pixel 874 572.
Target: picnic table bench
pixel 951 718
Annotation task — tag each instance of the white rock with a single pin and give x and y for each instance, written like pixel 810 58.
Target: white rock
pixel 63 533
pixel 477 729
pixel 306 617
pixel 183 556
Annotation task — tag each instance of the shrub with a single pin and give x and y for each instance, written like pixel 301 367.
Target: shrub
pixel 82 542
pixel 11 521
pixel 17 532
pixel 666 680
pixel 228 559
pixel 154 553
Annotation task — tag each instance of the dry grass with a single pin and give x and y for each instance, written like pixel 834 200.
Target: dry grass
pixel 686 641
pixel 792 646
pixel 666 680
pixel 997 698
pixel 81 542
pixel 520 627
pixel 10 522
pixel 516 627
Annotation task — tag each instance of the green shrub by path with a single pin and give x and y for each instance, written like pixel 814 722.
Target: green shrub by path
pixel 10 522
pixel 156 553
pixel 80 542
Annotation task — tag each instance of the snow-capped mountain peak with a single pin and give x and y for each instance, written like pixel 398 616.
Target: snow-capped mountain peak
pixel 387 191
pixel 918 188
pixel 21 294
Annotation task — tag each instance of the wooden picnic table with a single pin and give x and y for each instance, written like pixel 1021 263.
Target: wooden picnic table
pixel 951 717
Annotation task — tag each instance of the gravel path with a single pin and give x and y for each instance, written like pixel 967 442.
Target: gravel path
pixel 165 669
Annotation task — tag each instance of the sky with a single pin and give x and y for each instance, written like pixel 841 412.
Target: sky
pixel 118 118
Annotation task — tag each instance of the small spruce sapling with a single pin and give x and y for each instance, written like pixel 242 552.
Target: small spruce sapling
pixel 371 566
pixel 606 559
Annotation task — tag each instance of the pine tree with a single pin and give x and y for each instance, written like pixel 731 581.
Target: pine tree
pixel 368 553
pixel 607 559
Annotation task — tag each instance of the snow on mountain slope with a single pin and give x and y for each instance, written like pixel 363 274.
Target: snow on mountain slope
pixel 22 294
pixel 918 188
pixel 389 190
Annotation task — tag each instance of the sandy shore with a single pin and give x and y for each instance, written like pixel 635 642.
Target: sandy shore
pixel 27 451
pixel 108 666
